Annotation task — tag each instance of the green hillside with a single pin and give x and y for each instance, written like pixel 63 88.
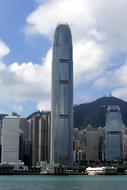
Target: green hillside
pixel 94 113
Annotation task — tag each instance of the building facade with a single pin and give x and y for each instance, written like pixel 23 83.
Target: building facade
pixel 62 97
pixel 41 135
pixel 92 145
pixel 114 133
pixel 88 144
pixel 44 138
pixel 10 139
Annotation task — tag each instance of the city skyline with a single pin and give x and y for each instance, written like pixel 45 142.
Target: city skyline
pixel 26 44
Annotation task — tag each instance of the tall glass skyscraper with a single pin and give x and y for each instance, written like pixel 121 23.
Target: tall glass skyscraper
pixel 62 97
pixel 114 134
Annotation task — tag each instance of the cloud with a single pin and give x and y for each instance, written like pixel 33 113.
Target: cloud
pixel 17 108
pixel 116 80
pixel 99 34
pixel 88 48
pixel 30 81
pixel 116 77
pixel 55 11
pixel 120 93
pixel 44 104
pixel 98 30
pixel 85 17
pixel 24 81
pixel 4 49
pixel 88 61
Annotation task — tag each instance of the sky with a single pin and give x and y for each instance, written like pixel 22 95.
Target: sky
pixel 26 36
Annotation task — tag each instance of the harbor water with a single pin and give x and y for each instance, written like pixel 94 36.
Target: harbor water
pixel 63 182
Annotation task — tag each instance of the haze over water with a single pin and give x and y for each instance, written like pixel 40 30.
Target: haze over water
pixel 63 182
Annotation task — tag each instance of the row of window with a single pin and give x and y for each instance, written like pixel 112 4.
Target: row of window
pixel 64 81
pixel 63 115
pixel 64 61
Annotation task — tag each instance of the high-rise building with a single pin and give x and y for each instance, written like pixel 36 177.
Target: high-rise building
pixel 10 139
pixel 62 97
pixel 88 144
pixel 41 130
pixel 35 127
pixel 114 134
pixel 92 144
pixel 44 138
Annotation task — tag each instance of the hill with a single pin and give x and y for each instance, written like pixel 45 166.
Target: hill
pixel 94 113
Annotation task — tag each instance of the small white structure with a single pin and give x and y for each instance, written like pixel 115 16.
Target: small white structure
pixel 10 139
pixel 101 171
pixel 94 171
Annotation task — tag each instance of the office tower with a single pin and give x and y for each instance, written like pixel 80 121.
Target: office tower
pixel 1 123
pixel 28 152
pixel 35 121
pixel 88 144
pixel 101 131
pixel 92 144
pixel 10 139
pixel 44 138
pixel 114 134
pixel 62 97
pixel 76 144
pixel 24 128
pixel 41 130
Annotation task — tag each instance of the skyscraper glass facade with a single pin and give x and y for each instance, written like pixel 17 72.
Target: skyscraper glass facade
pixel 114 134
pixel 62 97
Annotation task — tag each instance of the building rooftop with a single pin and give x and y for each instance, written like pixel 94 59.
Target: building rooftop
pixel 113 108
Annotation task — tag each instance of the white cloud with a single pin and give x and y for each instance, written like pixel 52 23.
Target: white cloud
pixel 120 93
pixel 29 81
pixel 4 49
pixel 116 80
pixel 84 16
pixel 45 18
pixel 44 105
pixel 98 29
pixel 17 108
pixel 88 61
pixel 99 33
pixel 25 81
pixel 117 77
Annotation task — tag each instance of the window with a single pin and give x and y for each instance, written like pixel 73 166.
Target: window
pixel 64 81
pixel 64 115
pixel 64 60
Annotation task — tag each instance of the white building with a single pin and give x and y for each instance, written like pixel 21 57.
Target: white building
pixel 10 139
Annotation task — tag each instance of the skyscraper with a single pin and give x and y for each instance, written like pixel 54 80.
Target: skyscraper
pixel 62 97
pixel 41 125
pixel 10 139
pixel 114 134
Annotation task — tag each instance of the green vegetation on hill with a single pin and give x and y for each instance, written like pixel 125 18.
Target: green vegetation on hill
pixel 94 113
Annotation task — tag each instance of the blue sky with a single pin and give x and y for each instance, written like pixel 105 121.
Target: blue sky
pixel 12 22
pixel 26 37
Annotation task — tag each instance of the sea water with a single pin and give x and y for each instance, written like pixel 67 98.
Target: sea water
pixel 63 182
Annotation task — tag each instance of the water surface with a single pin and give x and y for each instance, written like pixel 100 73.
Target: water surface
pixel 63 182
